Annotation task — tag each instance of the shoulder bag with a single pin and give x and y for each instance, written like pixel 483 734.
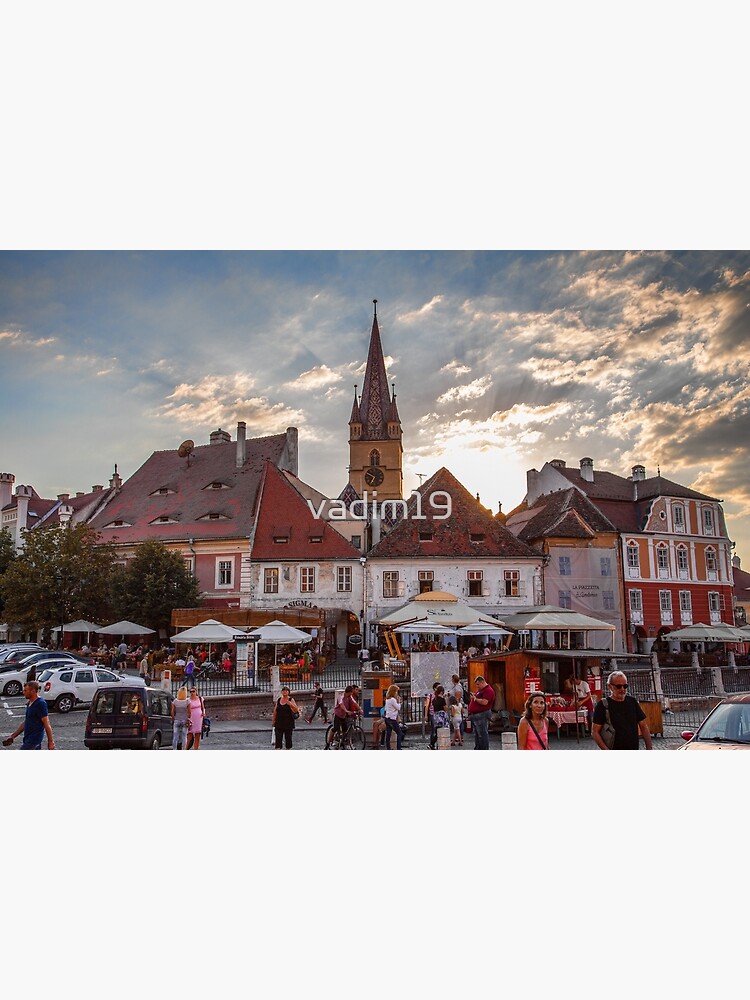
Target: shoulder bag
pixel 608 731
pixel 533 729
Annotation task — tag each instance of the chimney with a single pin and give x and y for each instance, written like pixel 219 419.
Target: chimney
pixel 115 482
pixel 533 487
pixel 96 489
pixel 639 473
pixel 557 463
pixel 736 562
pixel 6 488
pixel 64 514
pixel 80 493
pixel 587 469
pixel 241 444
pixel 22 508
pixel 63 496
pixel 291 452
pixel 219 437
pixel 375 526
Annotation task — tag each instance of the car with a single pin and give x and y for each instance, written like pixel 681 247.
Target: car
pixel 129 717
pixel 19 650
pixel 727 727
pixel 13 679
pixel 39 656
pixel 63 687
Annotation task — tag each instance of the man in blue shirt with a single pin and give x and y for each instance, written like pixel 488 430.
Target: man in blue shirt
pixel 36 723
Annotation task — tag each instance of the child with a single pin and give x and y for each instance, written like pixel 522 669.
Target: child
pixel 456 718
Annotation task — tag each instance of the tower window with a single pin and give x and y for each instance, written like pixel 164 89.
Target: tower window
pixel 375 457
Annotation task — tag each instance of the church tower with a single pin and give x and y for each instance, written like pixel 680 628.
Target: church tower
pixel 375 436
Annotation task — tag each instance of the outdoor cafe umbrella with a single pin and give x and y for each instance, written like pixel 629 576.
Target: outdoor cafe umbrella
pixel 210 631
pixel 124 628
pixel 277 633
pixel 79 626
pixel 424 628
pixel 701 632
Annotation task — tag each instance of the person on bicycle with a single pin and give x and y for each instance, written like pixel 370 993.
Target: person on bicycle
pixel 346 709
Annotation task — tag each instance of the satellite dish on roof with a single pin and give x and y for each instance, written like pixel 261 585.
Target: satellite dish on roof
pixel 185 449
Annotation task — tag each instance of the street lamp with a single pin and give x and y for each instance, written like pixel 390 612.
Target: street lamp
pixel 363 616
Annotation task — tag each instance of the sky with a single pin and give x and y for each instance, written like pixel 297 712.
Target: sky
pixel 501 361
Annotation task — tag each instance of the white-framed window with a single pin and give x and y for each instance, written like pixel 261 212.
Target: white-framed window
pixel 634 559
pixel 474 579
pixel 608 600
pixel 564 600
pixel 189 566
pixel 564 564
pixel 713 600
pixel 390 583
pixel 605 565
pixel 512 581
pixel 343 579
pixel 708 521
pixel 662 560
pixel 224 574
pixel 271 580
pixel 665 606
pixel 682 562
pixel 711 564
pixel 426 579
pixel 686 602
pixel 357 541
pixel 307 579
pixel 636 600
pixel 678 517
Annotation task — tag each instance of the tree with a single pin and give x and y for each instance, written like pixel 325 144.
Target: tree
pixel 7 555
pixel 62 573
pixel 154 583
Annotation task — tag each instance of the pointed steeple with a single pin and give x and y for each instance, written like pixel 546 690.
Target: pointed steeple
pixel 393 417
pixel 375 400
pixel 355 417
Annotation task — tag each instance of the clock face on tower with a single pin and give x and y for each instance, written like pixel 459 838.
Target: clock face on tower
pixel 374 476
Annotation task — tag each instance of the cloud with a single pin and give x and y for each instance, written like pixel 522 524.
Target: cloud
pixel 217 400
pixel 456 368
pixel 314 379
pixel 473 390
pixel 21 339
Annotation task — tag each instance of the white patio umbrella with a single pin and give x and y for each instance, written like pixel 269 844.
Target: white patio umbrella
pixel 78 626
pixel 124 628
pixel 424 628
pixel 210 631
pixel 482 628
pixel 701 632
pixel 277 633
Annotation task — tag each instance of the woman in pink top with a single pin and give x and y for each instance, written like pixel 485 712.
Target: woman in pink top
pixel 534 718
pixel 196 711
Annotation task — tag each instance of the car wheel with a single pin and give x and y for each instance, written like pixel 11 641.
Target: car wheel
pixel 13 688
pixel 155 743
pixel 64 703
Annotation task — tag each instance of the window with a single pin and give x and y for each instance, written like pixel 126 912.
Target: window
pixel 564 562
pixel 271 580
pixel 84 677
pixel 374 457
pixel 511 578
pixel 425 534
pixel 189 564
pixel 682 560
pixel 316 538
pixel 476 536
pixel 711 564
pixel 686 602
pixel 390 583
pixel 605 566
pixel 662 560
pixel 678 515
pixel 665 601
pixel 474 582
pixel 708 521
pixel 224 573
pixel 343 579
pixel 426 579
pixel 608 600
pixel 307 579
pixel 357 541
pixel 564 598
pixel 636 600
pixel 713 601
pixel 634 559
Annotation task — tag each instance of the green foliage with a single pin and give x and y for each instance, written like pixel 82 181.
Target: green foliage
pixel 60 575
pixel 7 555
pixel 154 582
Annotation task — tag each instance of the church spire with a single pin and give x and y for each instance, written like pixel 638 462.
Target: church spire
pixel 355 417
pixel 374 403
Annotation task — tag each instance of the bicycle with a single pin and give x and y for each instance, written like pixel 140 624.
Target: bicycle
pixel 352 738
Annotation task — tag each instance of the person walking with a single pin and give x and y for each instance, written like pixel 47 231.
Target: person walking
pixel 196 714
pixel 122 656
pixel 285 711
pixel 179 712
pixel 480 707
pixel 36 721
pixel 143 666
pixel 429 714
pixel 533 729
pixel 439 712
pixel 392 709
pixel 625 714
pixel 318 706
pixel 457 719
pixel 189 669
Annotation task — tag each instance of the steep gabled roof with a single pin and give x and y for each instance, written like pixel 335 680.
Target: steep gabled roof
pixel 376 407
pixel 606 485
pixel 658 486
pixel 565 514
pixel 452 536
pixel 284 513
pixel 193 508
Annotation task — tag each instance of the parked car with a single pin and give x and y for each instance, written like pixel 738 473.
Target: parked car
pixel 19 650
pixel 727 727
pixel 62 687
pixel 39 656
pixel 130 717
pixel 13 679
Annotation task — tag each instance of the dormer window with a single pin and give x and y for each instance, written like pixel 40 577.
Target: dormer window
pixel 164 519
pixel 476 536
pixel 118 524
pixel 163 491
pixel 281 534
pixel 425 534
pixel 213 516
pixel 316 538
pixel 216 485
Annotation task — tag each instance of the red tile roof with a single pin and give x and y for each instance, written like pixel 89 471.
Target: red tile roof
pixel 283 512
pixel 452 536
pixel 564 514
pixel 189 499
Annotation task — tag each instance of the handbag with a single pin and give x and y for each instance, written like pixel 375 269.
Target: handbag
pixel 533 729
pixel 607 731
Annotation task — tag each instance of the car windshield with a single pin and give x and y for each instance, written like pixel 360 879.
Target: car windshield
pixel 728 722
pixel 104 703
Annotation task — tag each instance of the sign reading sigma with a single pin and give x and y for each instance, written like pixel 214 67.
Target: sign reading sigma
pixel 358 509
